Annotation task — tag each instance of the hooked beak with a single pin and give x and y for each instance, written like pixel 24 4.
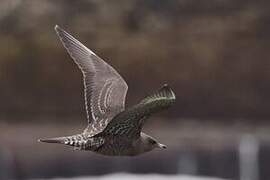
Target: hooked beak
pixel 162 146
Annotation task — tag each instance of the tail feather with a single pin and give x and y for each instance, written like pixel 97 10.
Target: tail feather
pixel 59 140
pixel 78 141
pixel 75 140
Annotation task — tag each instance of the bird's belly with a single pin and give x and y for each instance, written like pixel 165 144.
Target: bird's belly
pixel 116 148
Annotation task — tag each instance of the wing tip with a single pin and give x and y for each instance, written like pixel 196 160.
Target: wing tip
pixel 168 91
pixel 63 34
pixel 58 29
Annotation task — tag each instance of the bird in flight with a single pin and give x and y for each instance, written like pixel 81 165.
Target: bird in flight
pixel 112 130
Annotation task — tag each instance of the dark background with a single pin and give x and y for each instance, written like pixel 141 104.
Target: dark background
pixel 213 53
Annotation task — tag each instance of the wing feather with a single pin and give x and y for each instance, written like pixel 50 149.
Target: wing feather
pixel 130 122
pixel 104 89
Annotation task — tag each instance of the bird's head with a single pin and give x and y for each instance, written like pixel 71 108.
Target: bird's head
pixel 149 143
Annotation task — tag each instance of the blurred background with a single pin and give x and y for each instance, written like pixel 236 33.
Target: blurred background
pixel 213 53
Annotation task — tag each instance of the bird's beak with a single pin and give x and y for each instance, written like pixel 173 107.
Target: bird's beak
pixel 162 146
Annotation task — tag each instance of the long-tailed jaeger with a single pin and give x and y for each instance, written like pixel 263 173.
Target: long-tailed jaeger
pixel 112 130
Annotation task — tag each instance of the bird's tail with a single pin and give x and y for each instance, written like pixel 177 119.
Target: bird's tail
pixel 59 140
pixel 74 140
pixel 79 141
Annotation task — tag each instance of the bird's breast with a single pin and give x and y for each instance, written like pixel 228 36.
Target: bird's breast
pixel 116 147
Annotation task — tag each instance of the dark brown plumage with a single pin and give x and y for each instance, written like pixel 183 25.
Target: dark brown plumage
pixel 112 129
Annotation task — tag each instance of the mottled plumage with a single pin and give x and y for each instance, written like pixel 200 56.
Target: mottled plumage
pixel 112 129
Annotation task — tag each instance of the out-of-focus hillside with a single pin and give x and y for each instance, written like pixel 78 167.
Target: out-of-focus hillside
pixel 214 54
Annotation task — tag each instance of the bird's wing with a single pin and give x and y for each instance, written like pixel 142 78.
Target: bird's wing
pixel 130 122
pixel 104 89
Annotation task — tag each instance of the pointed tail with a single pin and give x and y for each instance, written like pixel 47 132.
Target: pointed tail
pixel 80 141
pixel 59 140
pixel 75 140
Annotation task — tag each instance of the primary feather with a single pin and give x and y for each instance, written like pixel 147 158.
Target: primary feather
pixel 104 89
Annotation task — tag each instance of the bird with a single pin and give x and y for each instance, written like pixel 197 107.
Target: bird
pixel 112 129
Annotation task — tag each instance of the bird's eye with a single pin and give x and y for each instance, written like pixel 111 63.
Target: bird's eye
pixel 152 141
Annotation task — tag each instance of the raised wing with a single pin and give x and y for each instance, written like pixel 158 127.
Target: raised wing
pixel 130 122
pixel 104 89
